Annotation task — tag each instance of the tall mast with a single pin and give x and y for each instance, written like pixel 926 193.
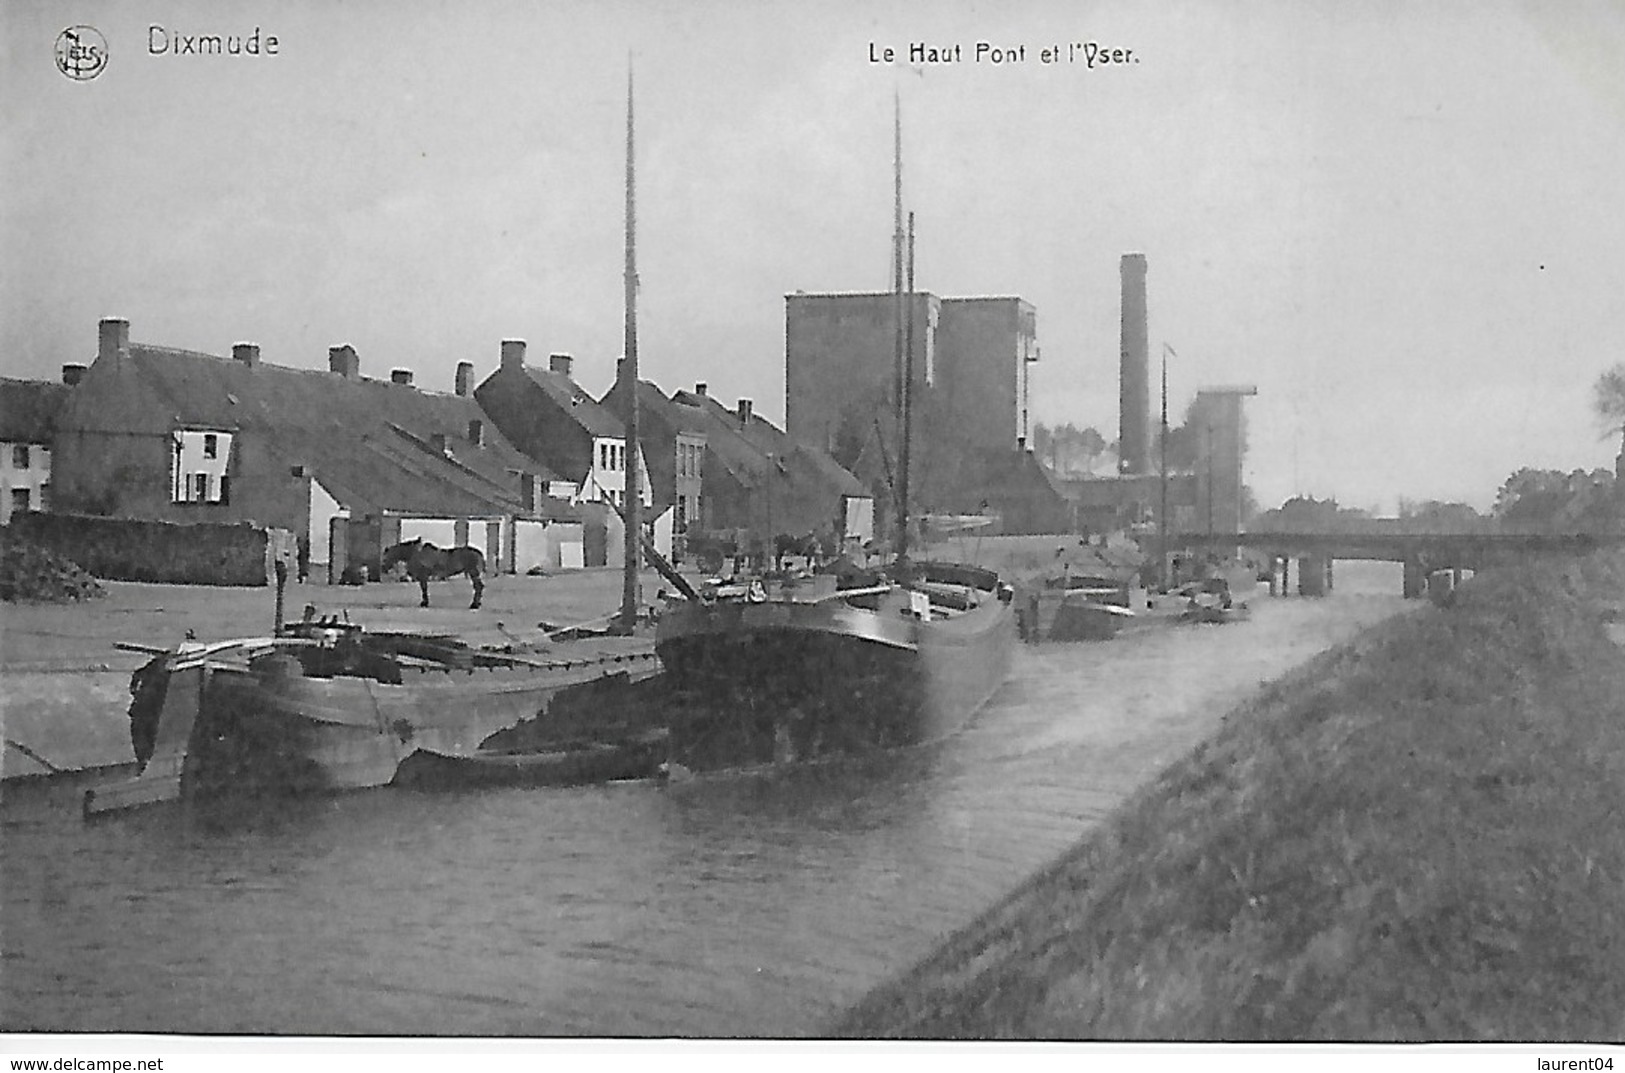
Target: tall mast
pixel 908 395
pixel 901 394
pixel 629 385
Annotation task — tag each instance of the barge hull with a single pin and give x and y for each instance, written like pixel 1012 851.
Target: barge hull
pixel 270 729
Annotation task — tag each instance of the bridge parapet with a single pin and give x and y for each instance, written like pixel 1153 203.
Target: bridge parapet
pixel 1469 549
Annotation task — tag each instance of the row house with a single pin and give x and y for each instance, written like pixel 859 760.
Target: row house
pixel 780 487
pixel 347 463
pixel 733 474
pixel 527 466
pixel 28 412
pixel 673 444
pixel 551 419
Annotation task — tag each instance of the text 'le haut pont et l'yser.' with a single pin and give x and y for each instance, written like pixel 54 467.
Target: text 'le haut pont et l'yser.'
pixel 1091 54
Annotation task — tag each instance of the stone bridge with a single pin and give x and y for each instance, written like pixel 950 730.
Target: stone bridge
pixel 1424 554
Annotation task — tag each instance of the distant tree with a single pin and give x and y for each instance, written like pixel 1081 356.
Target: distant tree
pixel 1188 441
pixel 1532 495
pixel 1091 443
pixel 1306 514
pixel 1299 514
pixel 1182 448
pixel 1067 448
pixel 1440 516
pixel 1608 402
pixel 1043 443
pixel 1065 437
pixel 1550 499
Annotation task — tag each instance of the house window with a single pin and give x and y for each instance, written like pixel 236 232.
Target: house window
pixel 19 500
pixel 225 489
pixel 198 463
pixel 476 432
pixel 45 497
pixel 19 456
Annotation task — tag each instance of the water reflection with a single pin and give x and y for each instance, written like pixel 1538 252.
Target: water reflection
pixel 761 905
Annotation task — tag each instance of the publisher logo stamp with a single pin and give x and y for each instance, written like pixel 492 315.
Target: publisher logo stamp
pixel 81 52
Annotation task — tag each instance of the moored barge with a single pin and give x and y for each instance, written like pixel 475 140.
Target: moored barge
pixel 329 706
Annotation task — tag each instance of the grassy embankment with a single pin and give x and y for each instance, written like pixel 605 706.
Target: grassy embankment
pixel 1418 835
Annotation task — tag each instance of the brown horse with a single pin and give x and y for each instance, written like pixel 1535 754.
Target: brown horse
pixel 426 562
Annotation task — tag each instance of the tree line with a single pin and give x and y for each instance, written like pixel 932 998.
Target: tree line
pixel 1070 451
pixel 1577 500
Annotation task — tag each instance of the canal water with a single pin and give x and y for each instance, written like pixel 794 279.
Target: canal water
pixel 741 906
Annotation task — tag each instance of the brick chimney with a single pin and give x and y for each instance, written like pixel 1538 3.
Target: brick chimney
pixel 113 343
pixel 344 361
pixel 401 376
pixel 744 412
pixel 562 364
pixel 464 383
pixel 513 355
pixel 1134 371
pixel 72 374
pixel 699 389
pixel 247 353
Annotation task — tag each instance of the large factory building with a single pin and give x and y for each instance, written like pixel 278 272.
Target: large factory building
pixel 971 362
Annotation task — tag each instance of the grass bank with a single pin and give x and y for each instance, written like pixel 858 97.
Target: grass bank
pixel 1419 835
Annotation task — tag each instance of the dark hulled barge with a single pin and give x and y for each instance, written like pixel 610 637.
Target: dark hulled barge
pixel 778 672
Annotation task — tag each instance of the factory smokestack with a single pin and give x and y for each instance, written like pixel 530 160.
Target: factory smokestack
pixel 1134 383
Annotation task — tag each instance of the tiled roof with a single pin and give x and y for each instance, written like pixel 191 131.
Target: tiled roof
pixel 808 482
pixel 831 472
pixel 660 421
pixel 371 443
pixel 746 462
pixel 28 409
pixel 678 417
pixel 568 396
pixel 811 465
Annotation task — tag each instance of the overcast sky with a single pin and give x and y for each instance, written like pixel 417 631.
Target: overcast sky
pixel 1404 222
